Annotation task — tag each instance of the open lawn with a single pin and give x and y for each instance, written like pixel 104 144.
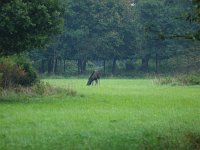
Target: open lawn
pixel 119 114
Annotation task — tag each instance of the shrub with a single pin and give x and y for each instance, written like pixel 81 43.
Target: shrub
pixel 30 76
pixel 13 73
pixel 6 72
pixel 191 79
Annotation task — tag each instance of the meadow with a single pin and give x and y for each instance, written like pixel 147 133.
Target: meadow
pixel 119 114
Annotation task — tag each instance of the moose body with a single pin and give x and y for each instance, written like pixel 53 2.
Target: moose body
pixel 95 76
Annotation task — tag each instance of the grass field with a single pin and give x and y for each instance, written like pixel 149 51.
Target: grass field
pixel 118 114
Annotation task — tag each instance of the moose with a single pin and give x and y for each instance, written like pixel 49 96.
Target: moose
pixel 95 76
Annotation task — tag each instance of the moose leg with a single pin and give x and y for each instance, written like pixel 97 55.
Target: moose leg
pixel 96 81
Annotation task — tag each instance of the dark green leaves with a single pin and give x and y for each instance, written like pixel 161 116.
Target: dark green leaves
pixel 27 24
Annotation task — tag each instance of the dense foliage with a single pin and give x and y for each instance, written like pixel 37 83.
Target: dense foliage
pixel 16 71
pixel 26 24
pixel 144 35
pixel 110 35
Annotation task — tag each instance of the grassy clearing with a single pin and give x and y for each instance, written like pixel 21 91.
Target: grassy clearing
pixel 118 114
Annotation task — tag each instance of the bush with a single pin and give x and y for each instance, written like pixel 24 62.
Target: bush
pixel 30 76
pixel 14 73
pixel 191 79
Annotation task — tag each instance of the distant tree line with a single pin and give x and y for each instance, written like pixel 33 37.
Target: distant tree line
pixel 115 30
pixel 64 33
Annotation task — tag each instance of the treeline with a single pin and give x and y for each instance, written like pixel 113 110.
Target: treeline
pixel 73 36
pixel 141 34
pixel 93 30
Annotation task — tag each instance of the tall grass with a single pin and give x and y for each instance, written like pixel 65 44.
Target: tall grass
pixel 117 114
pixel 38 89
pixel 191 79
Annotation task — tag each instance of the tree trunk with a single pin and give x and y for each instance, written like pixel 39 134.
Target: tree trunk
pixel 53 66
pixel 42 67
pixel 104 67
pixel 114 66
pixel 79 66
pixel 145 63
pixel 84 64
pixel 188 64
pixel 64 65
pixel 156 63
pixel 50 66
pixel 56 66
pixel 54 61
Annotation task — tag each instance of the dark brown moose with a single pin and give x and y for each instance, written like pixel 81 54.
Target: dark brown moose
pixel 95 76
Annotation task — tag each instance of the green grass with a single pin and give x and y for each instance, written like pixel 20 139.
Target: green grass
pixel 118 114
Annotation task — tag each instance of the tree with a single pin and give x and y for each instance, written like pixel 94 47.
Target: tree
pixel 98 30
pixel 26 24
pixel 156 20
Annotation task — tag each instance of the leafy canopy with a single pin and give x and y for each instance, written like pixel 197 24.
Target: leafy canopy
pixel 26 24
